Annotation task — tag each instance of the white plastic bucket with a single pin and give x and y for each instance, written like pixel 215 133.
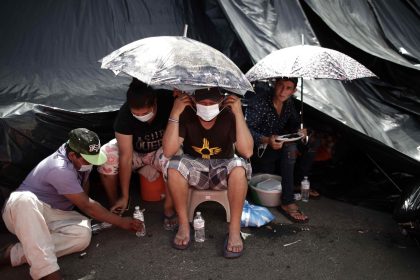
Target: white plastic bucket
pixel 266 189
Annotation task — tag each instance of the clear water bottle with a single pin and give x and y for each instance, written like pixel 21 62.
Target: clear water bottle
pixel 199 228
pixel 138 214
pixel 304 188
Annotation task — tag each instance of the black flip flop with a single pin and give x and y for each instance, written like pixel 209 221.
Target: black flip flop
pixel 180 246
pixel 290 217
pixel 167 221
pixel 229 254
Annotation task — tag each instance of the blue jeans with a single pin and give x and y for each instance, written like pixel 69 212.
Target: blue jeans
pixel 281 162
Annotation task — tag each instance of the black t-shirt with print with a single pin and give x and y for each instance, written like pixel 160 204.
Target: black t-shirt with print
pixel 214 143
pixel 146 137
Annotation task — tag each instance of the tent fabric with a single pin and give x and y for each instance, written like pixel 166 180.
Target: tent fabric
pixel 356 23
pixel 396 21
pixel 265 26
pixel 52 49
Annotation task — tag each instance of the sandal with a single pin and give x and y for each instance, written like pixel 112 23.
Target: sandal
pixel 313 194
pixel 289 214
pixel 170 222
pixel 229 254
pixel 181 246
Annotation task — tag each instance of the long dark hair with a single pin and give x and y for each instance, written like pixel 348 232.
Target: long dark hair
pixel 139 95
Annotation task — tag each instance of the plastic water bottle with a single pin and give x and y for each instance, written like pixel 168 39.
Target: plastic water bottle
pixel 304 188
pixel 199 228
pixel 138 214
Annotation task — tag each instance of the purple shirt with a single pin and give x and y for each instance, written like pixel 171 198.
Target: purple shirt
pixel 54 177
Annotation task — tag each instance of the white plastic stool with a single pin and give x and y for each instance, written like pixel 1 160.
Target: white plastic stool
pixel 196 197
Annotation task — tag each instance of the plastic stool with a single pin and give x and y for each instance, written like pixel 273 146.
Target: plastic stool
pixel 196 197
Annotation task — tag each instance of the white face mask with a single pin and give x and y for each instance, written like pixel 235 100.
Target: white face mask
pixel 207 113
pixel 145 118
pixel 85 167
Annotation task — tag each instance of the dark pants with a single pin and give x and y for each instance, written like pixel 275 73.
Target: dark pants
pixel 282 162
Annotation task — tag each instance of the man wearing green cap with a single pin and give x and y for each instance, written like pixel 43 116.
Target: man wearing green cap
pixel 40 212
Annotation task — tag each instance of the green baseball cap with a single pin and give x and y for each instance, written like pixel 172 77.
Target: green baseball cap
pixel 88 145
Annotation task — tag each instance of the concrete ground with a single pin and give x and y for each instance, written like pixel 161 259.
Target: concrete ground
pixel 341 241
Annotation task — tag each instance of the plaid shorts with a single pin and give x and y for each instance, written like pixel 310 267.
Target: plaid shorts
pixel 208 173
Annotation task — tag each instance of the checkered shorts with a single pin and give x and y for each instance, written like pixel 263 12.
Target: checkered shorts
pixel 208 173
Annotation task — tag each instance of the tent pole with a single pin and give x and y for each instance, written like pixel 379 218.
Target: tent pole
pixel 301 90
pixel 301 103
pixel 383 172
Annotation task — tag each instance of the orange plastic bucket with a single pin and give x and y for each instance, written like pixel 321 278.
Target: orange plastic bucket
pixel 152 191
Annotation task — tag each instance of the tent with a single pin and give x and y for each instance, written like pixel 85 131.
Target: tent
pixel 51 81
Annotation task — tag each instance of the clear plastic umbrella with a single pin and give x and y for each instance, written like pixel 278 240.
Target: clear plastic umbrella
pixel 305 61
pixel 308 62
pixel 177 62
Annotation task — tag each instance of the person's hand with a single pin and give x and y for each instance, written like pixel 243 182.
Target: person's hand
pixel 149 172
pixel 274 143
pixel 304 133
pixel 234 103
pixel 120 206
pixel 128 223
pixel 182 101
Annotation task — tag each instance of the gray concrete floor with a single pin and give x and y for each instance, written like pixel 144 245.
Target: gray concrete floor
pixel 341 241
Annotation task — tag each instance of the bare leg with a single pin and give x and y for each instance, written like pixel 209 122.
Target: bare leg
pixel 110 183
pixel 168 204
pixel 178 188
pixel 170 220
pixel 56 275
pixel 237 188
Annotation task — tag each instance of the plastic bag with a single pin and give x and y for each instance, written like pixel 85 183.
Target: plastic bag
pixel 255 216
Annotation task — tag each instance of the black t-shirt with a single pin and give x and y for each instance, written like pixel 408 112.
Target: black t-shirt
pixel 146 137
pixel 214 143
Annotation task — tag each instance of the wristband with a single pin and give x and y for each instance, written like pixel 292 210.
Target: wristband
pixel 173 120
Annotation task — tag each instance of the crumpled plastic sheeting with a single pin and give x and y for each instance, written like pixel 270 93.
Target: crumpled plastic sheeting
pixel 409 207
pixel 356 23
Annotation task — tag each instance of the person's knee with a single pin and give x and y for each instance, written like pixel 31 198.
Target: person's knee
pixel 83 238
pixel 26 200
pixel 173 173
pixel 290 152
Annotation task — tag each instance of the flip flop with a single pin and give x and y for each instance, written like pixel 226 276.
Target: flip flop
pixel 229 254
pixel 288 215
pixel 313 194
pixel 167 222
pixel 180 246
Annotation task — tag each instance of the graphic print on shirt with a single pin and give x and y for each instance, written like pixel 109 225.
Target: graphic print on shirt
pixel 205 151
pixel 150 142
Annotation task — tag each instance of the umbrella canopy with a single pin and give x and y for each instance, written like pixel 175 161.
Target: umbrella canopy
pixel 305 61
pixel 177 62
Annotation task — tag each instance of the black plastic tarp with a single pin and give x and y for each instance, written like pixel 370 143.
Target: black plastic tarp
pixel 380 28
pixel 51 81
